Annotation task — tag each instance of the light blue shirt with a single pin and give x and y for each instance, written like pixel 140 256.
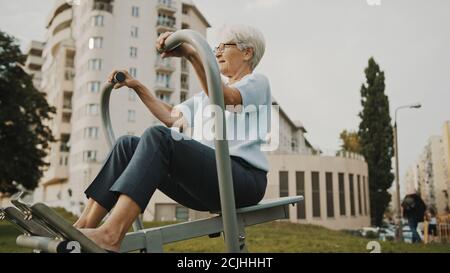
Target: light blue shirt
pixel 247 129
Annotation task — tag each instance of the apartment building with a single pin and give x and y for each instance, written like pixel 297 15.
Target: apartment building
pixel 430 174
pixel 83 44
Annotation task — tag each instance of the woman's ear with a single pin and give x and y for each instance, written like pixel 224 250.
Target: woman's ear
pixel 248 54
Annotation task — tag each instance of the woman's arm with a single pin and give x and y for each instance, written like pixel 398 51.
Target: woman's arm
pixel 161 110
pixel 231 95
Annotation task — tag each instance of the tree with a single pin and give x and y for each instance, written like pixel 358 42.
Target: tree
pixel 350 141
pixel 375 134
pixel 24 137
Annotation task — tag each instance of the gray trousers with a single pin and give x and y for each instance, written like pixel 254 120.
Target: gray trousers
pixel 184 170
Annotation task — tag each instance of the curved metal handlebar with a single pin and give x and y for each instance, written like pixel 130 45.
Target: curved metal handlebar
pixel 221 144
pixel 108 130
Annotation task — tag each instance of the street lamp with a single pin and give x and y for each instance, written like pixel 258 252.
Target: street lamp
pixel 399 233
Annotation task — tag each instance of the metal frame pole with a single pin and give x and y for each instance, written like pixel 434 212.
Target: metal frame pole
pixel 221 144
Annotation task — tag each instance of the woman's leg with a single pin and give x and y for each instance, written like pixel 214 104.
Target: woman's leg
pixel 100 199
pixel 191 164
pixel 111 233
pixel 193 181
pixel 81 222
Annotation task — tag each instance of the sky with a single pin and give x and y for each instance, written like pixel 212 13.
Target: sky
pixel 316 53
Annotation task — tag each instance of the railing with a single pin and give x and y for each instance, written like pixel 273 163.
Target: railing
pixel 166 5
pixel 166 22
pixel 184 65
pixel 184 86
pixel 442 230
pixel 164 63
pixel 340 153
pixel 103 6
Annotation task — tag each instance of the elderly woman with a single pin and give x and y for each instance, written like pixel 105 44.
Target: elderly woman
pixel 183 168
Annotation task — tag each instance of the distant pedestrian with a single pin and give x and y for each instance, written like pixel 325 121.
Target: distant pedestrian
pixel 414 210
pixel 430 217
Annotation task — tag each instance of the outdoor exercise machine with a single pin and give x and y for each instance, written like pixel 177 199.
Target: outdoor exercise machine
pixel 45 231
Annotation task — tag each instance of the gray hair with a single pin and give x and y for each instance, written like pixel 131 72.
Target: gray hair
pixel 245 37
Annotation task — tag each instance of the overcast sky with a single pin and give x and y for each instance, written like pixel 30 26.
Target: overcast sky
pixel 316 54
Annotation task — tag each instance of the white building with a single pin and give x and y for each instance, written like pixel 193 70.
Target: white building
pixel 432 172
pixel 83 45
pixel 35 61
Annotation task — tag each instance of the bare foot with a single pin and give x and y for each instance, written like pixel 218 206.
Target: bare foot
pixel 80 223
pixel 102 238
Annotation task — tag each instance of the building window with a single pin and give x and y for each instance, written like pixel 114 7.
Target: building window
pixel 133 72
pixel 70 56
pixel 131 115
pixel 94 87
pixel 358 181
pixel 364 196
pixel 184 65
pixel 66 117
pixel 181 213
pixel 315 194
pixel 97 20
pixel 163 79
pixel 183 96
pixel 89 156
pixel 63 160
pixel 95 42
pixel 131 95
pixel 92 109
pixel 300 183
pixel 294 144
pixel 284 185
pixel 329 189
pixel 135 11
pixel 133 52
pixel 352 195
pixel 95 64
pixel 90 133
pixel 64 147
pixel 134 32
pixel 184 82
pixel 69 75
pixel 341 194
pixel 164 97
pixel 67 100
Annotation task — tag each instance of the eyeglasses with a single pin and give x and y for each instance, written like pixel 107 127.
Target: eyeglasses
pixel 221 47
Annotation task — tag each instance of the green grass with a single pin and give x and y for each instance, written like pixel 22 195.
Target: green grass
pixel 278 237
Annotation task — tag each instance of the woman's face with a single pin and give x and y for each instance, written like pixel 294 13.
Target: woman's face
pixel 231 59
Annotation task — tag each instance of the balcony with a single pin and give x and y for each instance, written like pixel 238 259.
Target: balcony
pixel 163 88
pixel 164 24
pixel 164 96
pixel 164 65
pixel 184 86
pixel 184 66
pixel 67 100
pixel 166 6
pixel 103 6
